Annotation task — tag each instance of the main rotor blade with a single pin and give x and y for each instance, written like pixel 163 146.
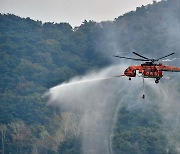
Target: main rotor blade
pixel 130 58
pixel 141 56
pixel 165 56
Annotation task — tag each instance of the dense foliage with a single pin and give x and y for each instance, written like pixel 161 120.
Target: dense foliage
pixel 35 56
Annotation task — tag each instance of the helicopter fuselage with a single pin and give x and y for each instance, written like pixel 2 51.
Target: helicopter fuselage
pixel 150 70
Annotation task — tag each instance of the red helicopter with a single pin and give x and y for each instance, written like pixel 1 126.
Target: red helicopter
pixel 149 69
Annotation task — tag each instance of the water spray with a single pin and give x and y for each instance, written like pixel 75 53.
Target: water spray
pixel 99 102
pixel 92 80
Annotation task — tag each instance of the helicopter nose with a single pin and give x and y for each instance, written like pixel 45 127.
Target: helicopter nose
pixel 126 72
pixel 129 73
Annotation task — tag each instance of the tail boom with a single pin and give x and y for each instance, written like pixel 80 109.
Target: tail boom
pixel 168 68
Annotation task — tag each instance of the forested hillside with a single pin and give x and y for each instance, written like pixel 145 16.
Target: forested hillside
pixel 36 56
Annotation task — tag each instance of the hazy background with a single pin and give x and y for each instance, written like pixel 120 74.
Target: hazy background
pixel 71 11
